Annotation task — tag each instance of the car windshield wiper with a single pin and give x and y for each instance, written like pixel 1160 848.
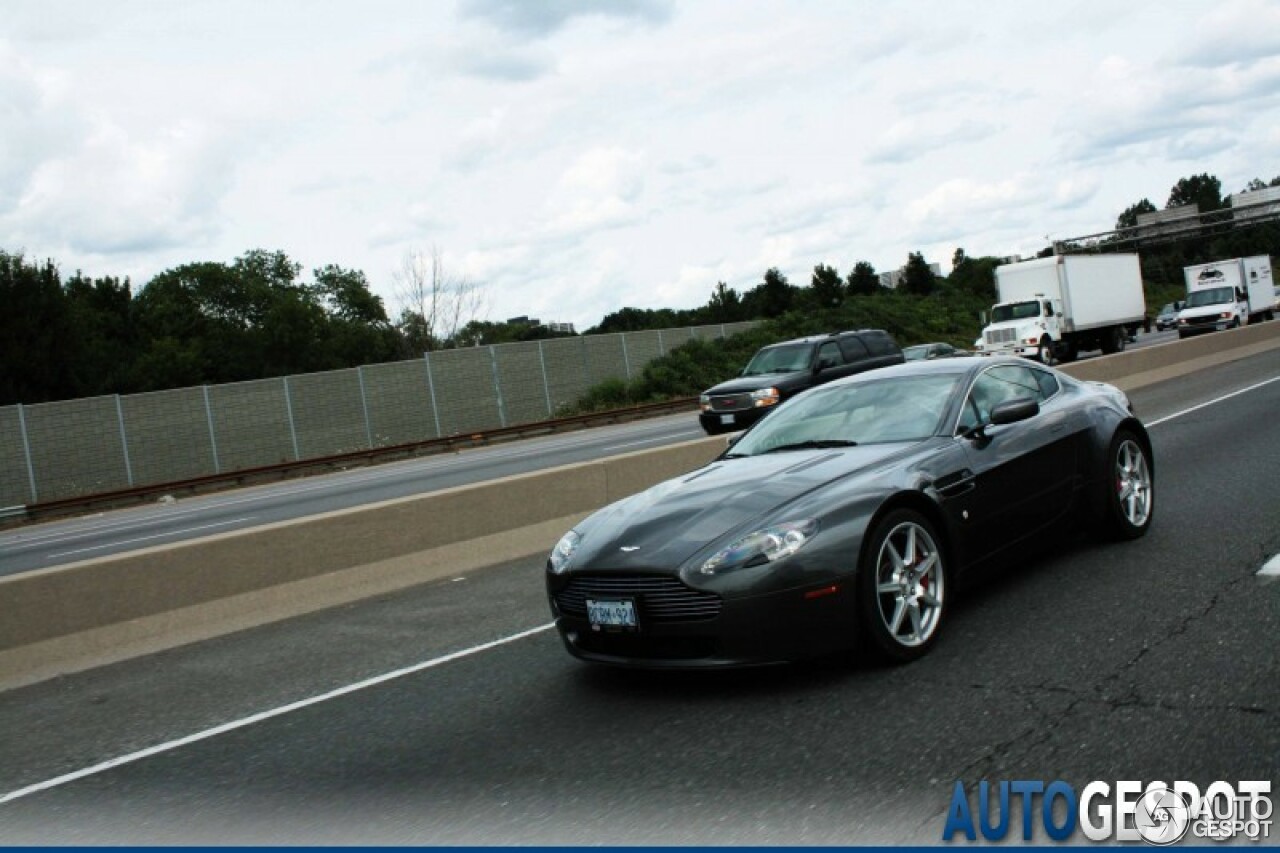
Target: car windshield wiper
pixel 814 444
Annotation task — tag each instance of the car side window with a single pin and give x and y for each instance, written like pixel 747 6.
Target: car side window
pixel 878 343
pixel 829 355
pixel 1048 384
pixel 996 386
pixel 853 349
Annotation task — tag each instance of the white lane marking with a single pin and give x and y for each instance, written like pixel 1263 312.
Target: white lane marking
pixel 1271 568
pixel 1212 402
pixel 46 537
pixel 153 536
pixel 169 746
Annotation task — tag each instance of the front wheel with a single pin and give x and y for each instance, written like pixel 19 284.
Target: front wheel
pixel 902 586
pixel 1044 354
pixel 1129 485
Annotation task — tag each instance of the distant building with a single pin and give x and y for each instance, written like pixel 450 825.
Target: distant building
pixel 559 328
pixel 893 279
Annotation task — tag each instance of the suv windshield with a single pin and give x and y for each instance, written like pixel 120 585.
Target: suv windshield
pixel 784 359
pixel 1015 311
pixel 1212 296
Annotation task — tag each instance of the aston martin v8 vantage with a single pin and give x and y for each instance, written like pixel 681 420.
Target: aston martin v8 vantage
pixel 847 517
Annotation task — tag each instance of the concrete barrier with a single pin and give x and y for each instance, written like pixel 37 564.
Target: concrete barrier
pixel 85 614
pixel 1142 367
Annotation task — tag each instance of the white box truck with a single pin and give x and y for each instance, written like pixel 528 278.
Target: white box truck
pixel 1054 308
pixel 1227 294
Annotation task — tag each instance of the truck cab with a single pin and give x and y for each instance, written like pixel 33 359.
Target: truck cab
pixel 1022 328
pixel 1213 309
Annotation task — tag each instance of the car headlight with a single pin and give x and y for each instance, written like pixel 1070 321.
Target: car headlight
pixel 762 546
pixel 765 397
pixel 563 552
pixel 704 401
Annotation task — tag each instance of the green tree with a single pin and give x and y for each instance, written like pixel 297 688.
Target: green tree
pixel 1129 218
pixel 917 278
pixel 1204 190
pixel 35 333
pixel 826 288
pixel 104 344
pixel 724 306
pixel 976 277
pixel 863 280
pixel 771 298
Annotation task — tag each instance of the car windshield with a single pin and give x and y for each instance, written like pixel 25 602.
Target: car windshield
pixel 1211 296
pixel 915 353
pixel 1168 309
pixel 783 359
pixel 904 408
pixel 1015 311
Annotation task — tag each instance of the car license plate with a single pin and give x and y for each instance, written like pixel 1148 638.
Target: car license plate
pixel 611 614
pixel 726 419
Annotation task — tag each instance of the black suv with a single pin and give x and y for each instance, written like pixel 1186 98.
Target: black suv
pixel 783 370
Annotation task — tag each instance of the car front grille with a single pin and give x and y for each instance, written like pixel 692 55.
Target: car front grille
pixel 658 598
pixel 730 402
pixel 1203 321
pixel 1002 336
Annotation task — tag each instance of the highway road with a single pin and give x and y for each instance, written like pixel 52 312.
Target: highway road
pixel 449 713
pixel 61 542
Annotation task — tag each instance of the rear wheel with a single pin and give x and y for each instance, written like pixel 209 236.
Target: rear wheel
pixel 1113 340
pixel 1129 486
pixel 902 586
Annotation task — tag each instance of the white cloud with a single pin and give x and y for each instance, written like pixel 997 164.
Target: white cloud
pixel 543 18
pixel 581 156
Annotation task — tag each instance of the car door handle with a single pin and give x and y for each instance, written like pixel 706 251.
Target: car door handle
pixel 955 484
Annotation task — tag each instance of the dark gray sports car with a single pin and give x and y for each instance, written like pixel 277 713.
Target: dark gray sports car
pixel 848 515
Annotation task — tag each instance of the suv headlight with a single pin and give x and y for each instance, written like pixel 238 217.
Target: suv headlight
pixel 762 546
pixel 704 402
pixel 765 397
pixel 563 552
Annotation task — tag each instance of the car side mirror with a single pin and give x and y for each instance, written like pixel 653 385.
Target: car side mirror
pixel 1012 411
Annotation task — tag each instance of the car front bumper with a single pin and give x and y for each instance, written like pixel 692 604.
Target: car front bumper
pixel 722 421
pixel 772 628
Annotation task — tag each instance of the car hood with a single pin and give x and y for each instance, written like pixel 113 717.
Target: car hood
pixel 666 525
pixel 754 383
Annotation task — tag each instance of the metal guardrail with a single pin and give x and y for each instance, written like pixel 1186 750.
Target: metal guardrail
pixel 288 470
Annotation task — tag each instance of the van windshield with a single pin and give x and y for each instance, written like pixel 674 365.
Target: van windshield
pixel 784 359
pixel 1015 311
pixel 1211 296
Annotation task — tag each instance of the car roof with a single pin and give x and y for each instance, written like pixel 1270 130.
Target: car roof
pixel 813 339
pixel 954 366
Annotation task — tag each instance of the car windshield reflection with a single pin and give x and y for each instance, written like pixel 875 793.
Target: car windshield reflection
pixel 779 360
pixel 867 412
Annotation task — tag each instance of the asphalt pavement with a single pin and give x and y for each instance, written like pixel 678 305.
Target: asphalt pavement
pixel 448 714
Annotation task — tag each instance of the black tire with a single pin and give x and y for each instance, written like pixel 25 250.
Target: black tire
pixel 1128 483
pixel 923 585
pixel 713 429
pixel 1044 354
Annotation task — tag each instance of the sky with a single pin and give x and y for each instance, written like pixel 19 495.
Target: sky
pixel 572 158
